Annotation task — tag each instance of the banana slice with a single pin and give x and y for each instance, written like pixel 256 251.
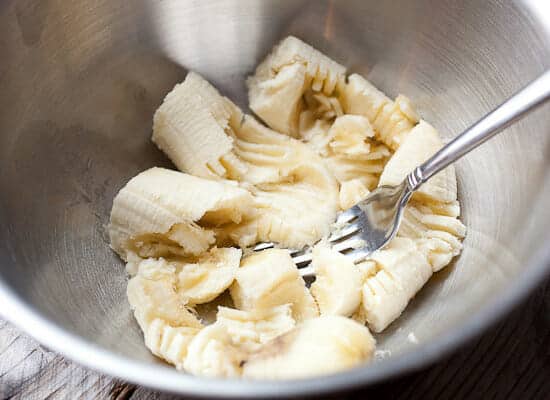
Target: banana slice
pixel 432 215
pixel 198 281
pixel 421 143
pixel 157 213
pixel 268 279
pixel 162 292
pixel 250 329
pixel 293 74
pixel 337 286
pixel 168 342
pixel 431 218
pixel 391 120
pixel 206 279
pixel 287 178
pixel 401 271
pixel 207 135
pixel 189 127
pixel 153 295
pixel 276 95
pixel 212 353
pixel 437 234
pixel 318 346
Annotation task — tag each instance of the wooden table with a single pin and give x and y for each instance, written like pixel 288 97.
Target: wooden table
pixel 509 361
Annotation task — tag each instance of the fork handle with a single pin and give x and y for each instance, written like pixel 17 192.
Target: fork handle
pixel 527 99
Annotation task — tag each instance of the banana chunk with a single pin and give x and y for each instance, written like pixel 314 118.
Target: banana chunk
pixel 205 279
pixel 431 218
pixel 157 213
pixel 162 293
pixel 168 342
pixel 189 127
pixel 391 120
pixel 250 329
pixel 293 78
pixel 220 141
pixel 287 178
pixel 153 295
pixel 207 135
pixel 337 286
pixel 268 279
pixel 318 346
pixel 212 353
pixel 401 271
pixel 421 143
pixel 438 234
pixel 199 280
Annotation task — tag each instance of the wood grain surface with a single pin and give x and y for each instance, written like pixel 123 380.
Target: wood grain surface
pixel 509 361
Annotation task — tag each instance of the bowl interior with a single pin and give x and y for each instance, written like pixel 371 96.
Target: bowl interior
pixel 80 81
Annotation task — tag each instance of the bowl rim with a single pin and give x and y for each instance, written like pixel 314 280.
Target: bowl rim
pixel 165 378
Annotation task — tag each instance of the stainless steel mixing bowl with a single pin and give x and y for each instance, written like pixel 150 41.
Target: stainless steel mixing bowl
pixel 80 80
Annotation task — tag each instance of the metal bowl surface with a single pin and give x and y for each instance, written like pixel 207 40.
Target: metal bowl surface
pixel 80 81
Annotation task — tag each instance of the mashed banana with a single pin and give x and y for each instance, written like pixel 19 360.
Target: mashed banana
pixel 185 236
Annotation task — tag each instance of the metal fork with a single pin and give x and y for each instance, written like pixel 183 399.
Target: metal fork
pixel 374 221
